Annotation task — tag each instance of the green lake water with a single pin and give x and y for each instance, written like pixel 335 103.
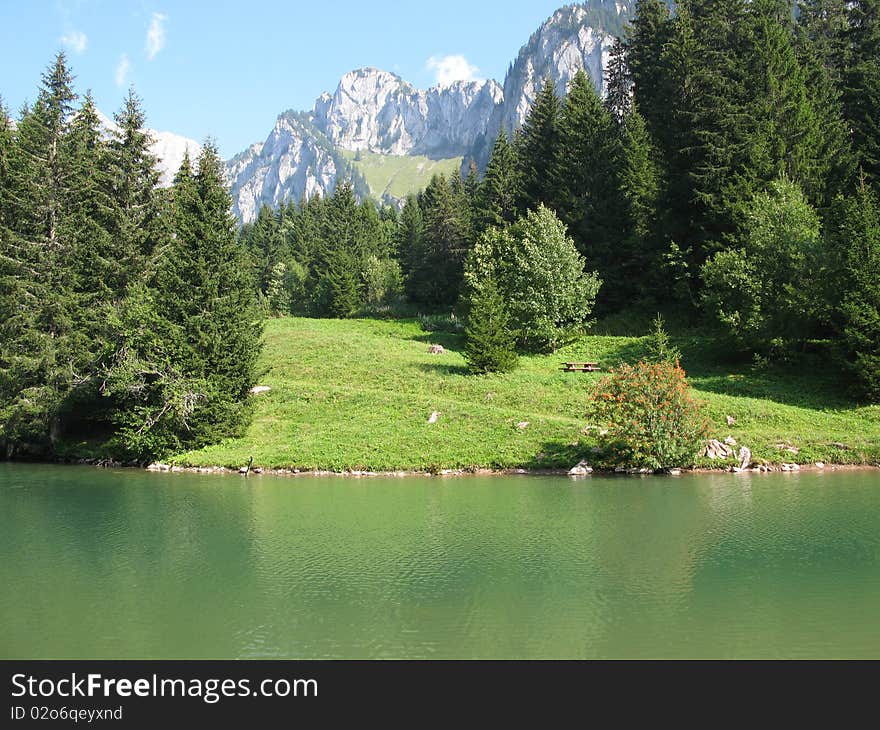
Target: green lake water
pixel 126 564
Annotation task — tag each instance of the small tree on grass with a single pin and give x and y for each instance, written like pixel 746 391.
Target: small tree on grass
pixel 648 416
pixel 857 237
pixel 660 349
pixel 489 342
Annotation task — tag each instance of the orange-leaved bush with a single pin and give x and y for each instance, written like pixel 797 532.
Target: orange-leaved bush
pixel 649 418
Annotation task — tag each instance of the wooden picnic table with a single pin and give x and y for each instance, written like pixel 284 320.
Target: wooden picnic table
pixel 580 367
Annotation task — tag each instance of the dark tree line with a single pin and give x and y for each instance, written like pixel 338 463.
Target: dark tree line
pixel 128 323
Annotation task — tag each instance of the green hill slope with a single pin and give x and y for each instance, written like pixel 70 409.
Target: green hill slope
pixel 357 394
pixel 396 176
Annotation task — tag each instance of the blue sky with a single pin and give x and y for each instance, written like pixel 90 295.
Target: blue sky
pixel 227 69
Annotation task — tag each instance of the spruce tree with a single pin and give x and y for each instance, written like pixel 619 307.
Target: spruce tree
pixel 861 95
pixel 499 191
pixel 188 342
pixel 786 129
pixel 640 185
pixel 36 352
pixel 489 342
pixel 646 40
pixel 536 149
pixel 585 168
pixel 137 226
pixel 409 241
pixel 820 44
pixel 857 234
pixel 618 81
pixel 435 276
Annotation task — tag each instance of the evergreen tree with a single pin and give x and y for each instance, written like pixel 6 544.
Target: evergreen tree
pixel 35 353
pixel 500 189
pixel 137 227
pixel 640 185
pixel 857 234
pixel 660 348
pixel 861 97
pixel 264 241
pixel 820 44
pixel 409 240
pixel 646 41
pixel 618 81
pixel 536 149
pixel 338 287
pixel 93 271
pixel 188 345
pixel 489 342
pixel 786 132
pixel 435 276
pixel 586 166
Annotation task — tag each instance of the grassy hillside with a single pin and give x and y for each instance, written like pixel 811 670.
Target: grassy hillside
pixel 398 175
pixel 357 394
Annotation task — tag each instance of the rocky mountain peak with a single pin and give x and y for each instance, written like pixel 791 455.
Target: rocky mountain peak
pixel 377 111
pixel 574 37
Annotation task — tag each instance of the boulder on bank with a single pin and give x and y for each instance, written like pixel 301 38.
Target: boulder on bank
pixel 582 469
pixel 715 449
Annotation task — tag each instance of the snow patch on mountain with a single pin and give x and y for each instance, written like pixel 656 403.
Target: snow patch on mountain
pixel 169 149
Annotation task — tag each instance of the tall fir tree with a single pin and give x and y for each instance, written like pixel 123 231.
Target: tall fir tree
pixel 618 81
pixel 820 44
pixel 499 191
pixel 585 171
pixel 137 227
pixel 490 344
pixel 640 185
pixel 536 148
pixel 861 96
pixel 410 244
pixel 435 276
pixel 856 233
pixel 37 334
pixel 189 341
pixel 647 37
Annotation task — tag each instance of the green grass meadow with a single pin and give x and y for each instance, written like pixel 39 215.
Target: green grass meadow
pixel 400 175
pixel 358 394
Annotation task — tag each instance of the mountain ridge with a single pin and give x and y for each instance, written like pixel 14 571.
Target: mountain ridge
pixel 377 111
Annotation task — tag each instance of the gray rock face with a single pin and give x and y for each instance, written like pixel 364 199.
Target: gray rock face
pixel 568 41
pixel 293 162
pixel 377 111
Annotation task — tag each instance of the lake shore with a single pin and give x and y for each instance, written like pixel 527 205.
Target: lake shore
pixel 368 396
pixel 159 467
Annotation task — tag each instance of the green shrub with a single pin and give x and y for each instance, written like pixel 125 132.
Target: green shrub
pixel 766 288
pixel 648 417
pixel 540 275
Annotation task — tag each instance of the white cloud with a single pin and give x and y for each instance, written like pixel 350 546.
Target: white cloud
pixel 452 68
pixel 156 35
pixel 122 69
pixel 75 40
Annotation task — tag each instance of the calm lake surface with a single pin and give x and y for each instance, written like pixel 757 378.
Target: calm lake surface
pixel 126 564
